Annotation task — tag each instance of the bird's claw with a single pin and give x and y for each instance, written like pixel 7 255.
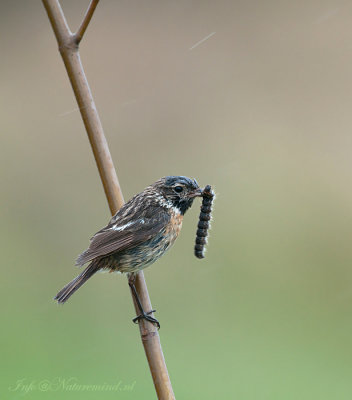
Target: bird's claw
pixel 147 317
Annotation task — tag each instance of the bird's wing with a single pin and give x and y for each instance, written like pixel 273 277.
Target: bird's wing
pixel 124 235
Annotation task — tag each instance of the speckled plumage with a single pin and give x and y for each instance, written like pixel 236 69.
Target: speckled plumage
pixel 139 233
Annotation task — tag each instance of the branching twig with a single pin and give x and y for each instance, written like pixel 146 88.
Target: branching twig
pixel 88 16
pixel 68 46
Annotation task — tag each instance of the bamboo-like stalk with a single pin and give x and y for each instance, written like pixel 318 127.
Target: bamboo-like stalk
pixel 68 46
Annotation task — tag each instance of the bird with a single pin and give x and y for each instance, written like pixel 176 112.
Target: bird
pixel 141 231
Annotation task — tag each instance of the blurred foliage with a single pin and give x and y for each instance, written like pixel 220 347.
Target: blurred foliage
pixel 260 110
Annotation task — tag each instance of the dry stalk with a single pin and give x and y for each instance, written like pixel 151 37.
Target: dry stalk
pixel 69 48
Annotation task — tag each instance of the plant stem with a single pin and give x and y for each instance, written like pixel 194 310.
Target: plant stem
pixel 68 47
pixel 87 17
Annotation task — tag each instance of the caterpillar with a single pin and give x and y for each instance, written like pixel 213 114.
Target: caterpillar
pixel 204 222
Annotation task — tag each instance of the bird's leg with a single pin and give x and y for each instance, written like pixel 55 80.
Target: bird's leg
pixel 143 314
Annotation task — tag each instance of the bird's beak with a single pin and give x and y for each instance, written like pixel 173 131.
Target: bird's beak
pixel 196 193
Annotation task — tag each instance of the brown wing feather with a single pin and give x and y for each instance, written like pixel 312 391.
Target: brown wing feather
pixel 117 237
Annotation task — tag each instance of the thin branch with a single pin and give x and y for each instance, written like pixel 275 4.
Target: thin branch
pixel 68 47
pixel 84 24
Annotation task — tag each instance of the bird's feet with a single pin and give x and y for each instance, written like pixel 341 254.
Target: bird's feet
pixel 147 317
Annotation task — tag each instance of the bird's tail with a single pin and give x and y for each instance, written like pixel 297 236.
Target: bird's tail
pixel 74 285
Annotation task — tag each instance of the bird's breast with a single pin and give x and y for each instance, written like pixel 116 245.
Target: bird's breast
pixel 174 227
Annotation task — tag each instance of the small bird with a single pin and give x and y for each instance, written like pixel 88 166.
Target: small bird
pixel 141 231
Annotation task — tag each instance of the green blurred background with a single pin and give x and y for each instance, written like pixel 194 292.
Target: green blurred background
pixel 262 111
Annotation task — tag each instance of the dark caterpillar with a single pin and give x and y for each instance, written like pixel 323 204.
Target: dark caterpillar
pixel 204 222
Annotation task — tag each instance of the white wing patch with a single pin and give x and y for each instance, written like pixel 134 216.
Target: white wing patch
pixel 117 228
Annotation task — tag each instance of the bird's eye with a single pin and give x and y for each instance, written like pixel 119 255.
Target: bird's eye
pixel 178 189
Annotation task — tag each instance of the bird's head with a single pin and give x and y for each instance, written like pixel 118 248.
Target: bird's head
pixel 177 191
